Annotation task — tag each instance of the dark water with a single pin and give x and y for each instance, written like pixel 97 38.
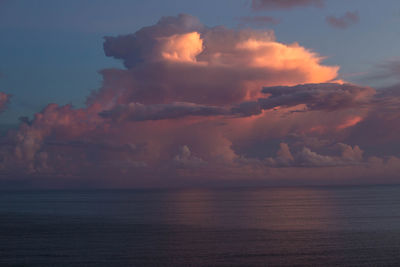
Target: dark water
pixel 324 226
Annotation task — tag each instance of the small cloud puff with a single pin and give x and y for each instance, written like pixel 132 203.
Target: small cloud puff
pixel 343 22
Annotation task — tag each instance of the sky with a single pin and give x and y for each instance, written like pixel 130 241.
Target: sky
pixel 171 93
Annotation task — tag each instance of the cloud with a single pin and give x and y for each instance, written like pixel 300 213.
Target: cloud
pixel 186 159
pixel 4 99
pixel 284 156
pixel 308 158
pixel 324 96
pixel 148 43
pixel 174 60
pixel 258 21
pixel 343 22
pixel 329 96
pixel 140 112
pixel 284 4
pixel 389 70
pixel 194 104
pixel 378 131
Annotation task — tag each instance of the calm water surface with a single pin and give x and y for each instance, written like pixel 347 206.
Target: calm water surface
pixel 324 226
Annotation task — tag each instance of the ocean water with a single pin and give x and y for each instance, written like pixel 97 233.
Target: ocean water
pixel 294 226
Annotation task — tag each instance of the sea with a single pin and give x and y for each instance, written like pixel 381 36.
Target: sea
pixel 266 226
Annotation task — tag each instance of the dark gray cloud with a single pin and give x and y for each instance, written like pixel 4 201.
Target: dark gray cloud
pixel 258 21
pixel 283 4
pixel 343 22
pixel 246 109
pixel 324 96
pixel 328 96
pixel 389 70
pixel 140 112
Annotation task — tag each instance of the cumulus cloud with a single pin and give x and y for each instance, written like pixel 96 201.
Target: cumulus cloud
pixel 195 102
pixel 175 60
pixel 147 43
pixel 308 158
pixel 284 156
pixel 284 4
pixel 53 123
pixel 186 159
pixel 343 22
pixel 4 99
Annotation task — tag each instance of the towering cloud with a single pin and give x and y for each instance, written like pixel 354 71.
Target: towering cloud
pixel 175 60
pixel 195 103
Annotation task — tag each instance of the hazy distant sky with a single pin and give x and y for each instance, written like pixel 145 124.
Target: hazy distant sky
pixel 185 73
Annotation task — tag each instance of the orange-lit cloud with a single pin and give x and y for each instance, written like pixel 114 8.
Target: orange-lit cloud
pixel 181 47
pixel 277 56
pixel 349 123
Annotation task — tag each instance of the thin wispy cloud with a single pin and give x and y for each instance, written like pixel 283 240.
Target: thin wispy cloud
pixel 387 70
pixel 284 4
pixel 343 22
pixel 258 21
